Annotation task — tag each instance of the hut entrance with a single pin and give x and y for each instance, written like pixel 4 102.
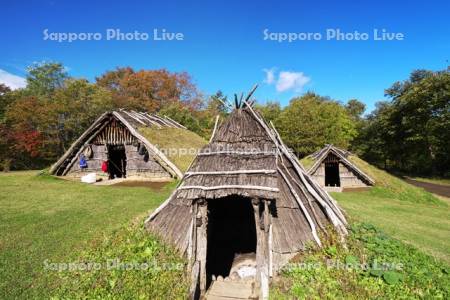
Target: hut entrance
pixel 117 161
pixel 231 231
pixel 332 174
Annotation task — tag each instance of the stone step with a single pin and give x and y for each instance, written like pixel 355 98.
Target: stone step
pixel 228 290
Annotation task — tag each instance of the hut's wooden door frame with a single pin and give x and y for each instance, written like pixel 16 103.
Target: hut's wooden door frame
pixel 263 250
pixel 197 245
pixel 197 248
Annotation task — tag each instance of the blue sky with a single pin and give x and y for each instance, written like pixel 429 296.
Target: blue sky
pixel 224 47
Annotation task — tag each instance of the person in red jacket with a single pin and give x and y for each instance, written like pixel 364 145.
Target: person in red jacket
pixel 105 166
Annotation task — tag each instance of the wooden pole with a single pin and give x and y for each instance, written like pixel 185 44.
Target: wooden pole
pixel 250 94
pixel 262 254
pixel 262 171
pixel 215 128
pixel 333 212
pixel 202 216
pixel 259 240
pixel 270 250
pixel 303 208
pixel 195 277
pixel 220 187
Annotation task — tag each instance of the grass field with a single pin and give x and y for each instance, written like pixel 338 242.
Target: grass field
pixel 42 217
pixel 392 222
pixel 423 225
pixel 404 211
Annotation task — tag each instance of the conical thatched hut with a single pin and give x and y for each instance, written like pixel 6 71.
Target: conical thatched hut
pixel 244 193
pixel 132 144
pixel 334 171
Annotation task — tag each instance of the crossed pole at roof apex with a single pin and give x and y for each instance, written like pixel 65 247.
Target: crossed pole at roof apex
pixel 239 103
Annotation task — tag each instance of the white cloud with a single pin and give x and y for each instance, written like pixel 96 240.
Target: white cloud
pixel 12 81
pixel 291 81
pixel 286 80
pixel 270 75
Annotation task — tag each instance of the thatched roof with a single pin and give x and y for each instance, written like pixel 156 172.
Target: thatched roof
pixel 179 145
pixel 342 155
pixel 146 128
pixel 327 148
pixel 246 157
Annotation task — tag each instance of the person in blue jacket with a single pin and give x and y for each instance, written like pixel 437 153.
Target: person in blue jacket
pixel 83 162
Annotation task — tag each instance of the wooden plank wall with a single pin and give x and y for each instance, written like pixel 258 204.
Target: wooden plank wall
pixel 116 134
pixel 347 176
pixel 137 166
pixel 99 154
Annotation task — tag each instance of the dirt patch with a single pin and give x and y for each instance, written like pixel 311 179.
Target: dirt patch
pixel 155 186
pixel 357 189
pixel 442 190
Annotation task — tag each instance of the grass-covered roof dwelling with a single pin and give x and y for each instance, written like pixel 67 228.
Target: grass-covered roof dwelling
pixel 244 208
pixel 333 169
pixel 130 144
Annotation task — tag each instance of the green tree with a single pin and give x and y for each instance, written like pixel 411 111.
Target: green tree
pixel 5 99
pixel 45 77
pixel 216 104
pixel 271 110
pixel 42 120
pixel 411 133
pixel 355 108
pixel 421 116
pixel 375 136
pixel 311 121
pixel 77 104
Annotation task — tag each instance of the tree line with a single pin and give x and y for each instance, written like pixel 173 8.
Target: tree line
pixel 408 133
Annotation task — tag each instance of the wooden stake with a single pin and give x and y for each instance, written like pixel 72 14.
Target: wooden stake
pixel 215 128
pixel 250 94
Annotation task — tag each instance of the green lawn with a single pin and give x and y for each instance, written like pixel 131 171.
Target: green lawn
pixel 42 217
pixel 45 218
pixel 425 225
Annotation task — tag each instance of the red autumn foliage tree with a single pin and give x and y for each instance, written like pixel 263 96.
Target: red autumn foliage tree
pixel 27 140
pixel 29 123
pixel 150 90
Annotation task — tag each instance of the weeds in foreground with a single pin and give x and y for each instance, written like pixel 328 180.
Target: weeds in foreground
pixel 129 264
pixel 373 266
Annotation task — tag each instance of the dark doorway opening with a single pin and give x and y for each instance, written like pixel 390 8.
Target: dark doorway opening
pixel 117 161
pixel 332 174
pixel 231 230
